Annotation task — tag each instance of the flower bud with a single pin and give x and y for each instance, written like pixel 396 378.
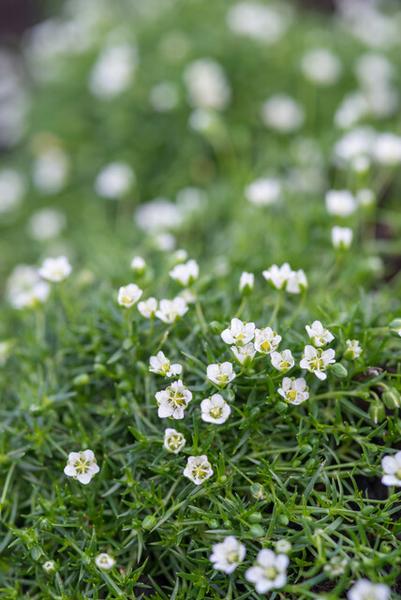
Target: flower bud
pixel 339 371
pixel 376 412
pixel 391 398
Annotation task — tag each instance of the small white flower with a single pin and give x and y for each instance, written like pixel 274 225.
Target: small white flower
pixel 129 295
pixel 353 349
pixel 284 278
pixel 392 470
pixel 25 289
pixel 138 265
pixel 50 170
pixel 283 114
pixel 198 469
pixel 266 340
pixel 336 566
pixel 318 334
pixel 340 203
pixel 173 401
pixel 387 149
pixel 188 296
pixel 282 361
pixel 227 555
pixel 171 310
pixel 283 546
pixel 341 237
pixel 158 216
pixel 49 566
pixel 46 224
pixel 257 21
pixel 244 354
pixel 148 307
pixel 55 269
pixel 185 273
pixel 164 241
pixel 321 66
pixel 238 333
pixel 221 373
pixel 294 391
pixel 269 571
pixel 113 71
pixel 264 191
pixel 246 282
pixel 174 441
pixel 114 181
pixel 161 365
pixel 81 466
pixel 207 84
pixel 215 410
pixel 317 360
pixel 365 197
pixel 297 282
pixel 180 255
pixel 105 561
pixel 364 589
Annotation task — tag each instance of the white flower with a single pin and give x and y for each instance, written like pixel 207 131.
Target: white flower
pixel 138 264
pixel 188 296
pixel 25 289
pixel 321 66
pixel 340 203
pixel 294 391
pixel 50 170
pixel 185 273
pixel 238 333
pixel 158 215
pixel 173 401
pixel 161 365
pixel 148 307
pixel 180 255
pixel 165 242
pixel 12 190
pixel 282 361
pixel 341 237
pixel 46 224
pixel 207 84
pixel 318 334
pixel 246 282
pixel 215 410
pixel 81 466
pixel 198 469
pixel 105 561
pixel 364 589
pixel 174 441
pixel 283 546
pixel 49 566
pixel 263 192
pixel 365 197
pixel 55 269
pixel 317 360
pixel 392 470
pixel 128 295
pixel 266 340
pixel 114 180
pixel 170 310
pixel 285 278
pixel 282 113
pixel 269 571
pixel 227 555
pixel 244 354
pixel 220 373
pixel 387 149
pixel 297 282
pixel 259 22
pixel 353 350
pixel 113 71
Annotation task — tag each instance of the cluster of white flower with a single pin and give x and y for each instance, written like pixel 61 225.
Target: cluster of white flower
pixel 284 278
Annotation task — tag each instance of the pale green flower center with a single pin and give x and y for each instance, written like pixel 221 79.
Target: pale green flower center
pixel 317 364
pixel 222 379
pixel 285 364
pixel 398 474
pixel 174 441
pixel 177 399
pixel 232 557
pixel 200 471
pixel 216 412
pixel 82 465
pixel 271 572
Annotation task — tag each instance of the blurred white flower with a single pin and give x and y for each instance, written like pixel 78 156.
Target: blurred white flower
pixel 164 96
pixel 165 242
pixel 207 84
pixel 46 224
pixel 173 401
pixel 174 441
pixel 358 142
pixel 316 360
pixel 321 66
pixel 374 69
pixel 138 264
pixel 215 410
pixel 294 391
pixel 12 190
pixel 340 203
pixel 190 200
pixel 49 566
pixel 387 149
pixel 282 113
pixel 365 197
pixel 115 180
pixel 148 307
pixel 81 466
pixel 227 555
pixel 257 21
pixel 50 170
pixel 353 349
pixel 246 282
pixel 282 361
pixel 186 273
pixel 264 191
pixel 105 561
pixel 25 288
pixel 364 589
pixel 318 334
pixel 341 237
pixel 266 340
pixel 284 278
pixel 269 572
pixel 55 269
pixel 244 354
pixel 238 333
pixel 220 373
pixel 113 71
pixel 128 295
pixel 171 310
pixel 283 546
pixel 161 365
pixel 158 215
pixel 198 469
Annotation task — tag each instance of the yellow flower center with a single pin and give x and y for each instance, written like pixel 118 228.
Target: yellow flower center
pixel 82 465
pixel 177 399
pixel 200 472
pixel 271 572
pixel 291 395
pixel 216 412
pixel 265 346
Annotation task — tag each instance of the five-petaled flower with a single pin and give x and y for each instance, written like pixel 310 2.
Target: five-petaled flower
pixel 318 334
pixel 316 360
pixel 238 333
pixel 198 469
pixel 392 470
pixel 294 391
pixel 220 373
pixel 173 401
pixel 269 572
pixel 161 365
pixel 171 310
pixel 282 361
pixel 128 295
pixel 215 410
pixel 55 269
pixel 227 555
pixel 81 466
pixel 266 340
pixel 174 441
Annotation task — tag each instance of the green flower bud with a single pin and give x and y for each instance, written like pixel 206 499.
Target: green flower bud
pixel 391 398
pixel 376 411
pixel 339 371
